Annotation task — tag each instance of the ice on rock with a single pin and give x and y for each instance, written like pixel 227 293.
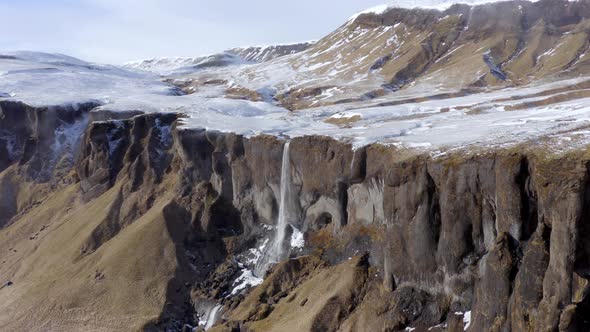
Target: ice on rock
pixel 466 319
pixel 165 132
pixel 66 137
pixel 247 278
pixel 256 253
pixel 112 141
pixel 346 115
pixel 297 241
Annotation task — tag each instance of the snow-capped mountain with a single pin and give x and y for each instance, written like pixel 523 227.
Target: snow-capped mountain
pixel 44 79
pixel 232 57
pixel 270 52
pixel 179 65
pixel 423 4
pixel 41 57
pixel 417 51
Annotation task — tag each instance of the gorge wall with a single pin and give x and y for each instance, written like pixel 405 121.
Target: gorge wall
pixel 140 223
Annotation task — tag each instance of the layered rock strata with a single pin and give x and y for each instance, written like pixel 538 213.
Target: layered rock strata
pixel 140 223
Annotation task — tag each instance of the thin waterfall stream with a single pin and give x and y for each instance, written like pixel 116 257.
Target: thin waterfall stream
pixel 275 252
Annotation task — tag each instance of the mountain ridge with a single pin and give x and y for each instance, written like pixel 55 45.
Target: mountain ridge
pixel 445 50
pixel 233 56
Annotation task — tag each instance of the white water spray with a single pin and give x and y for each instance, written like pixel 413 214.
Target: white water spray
pixel 352 163
pixel 283 210
pixel 212 317
pixel 275 252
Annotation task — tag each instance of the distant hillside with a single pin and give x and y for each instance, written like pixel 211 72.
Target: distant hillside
pixel 235 56
pixel 266 53
pixel 410 51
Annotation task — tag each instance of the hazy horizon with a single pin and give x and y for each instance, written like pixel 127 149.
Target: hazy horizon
pixel 111 31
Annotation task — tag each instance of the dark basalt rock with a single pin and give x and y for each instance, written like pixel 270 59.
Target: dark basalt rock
pixel 502 234
pixel 42 140
pixel 494 69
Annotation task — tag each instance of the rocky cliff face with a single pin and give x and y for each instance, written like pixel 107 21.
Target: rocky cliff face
pixel 146 225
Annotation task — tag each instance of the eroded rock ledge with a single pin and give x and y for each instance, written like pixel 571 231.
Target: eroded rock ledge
pixel 393 238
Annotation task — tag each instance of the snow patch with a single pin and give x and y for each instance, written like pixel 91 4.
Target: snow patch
pixel 297 240
pixel 167 66
pixel 377 10
pixel 439 326
pixel 256 253
pixel 466 318
pixel 346 115
pixel 247 278
pixel 471 120
pixel 440 5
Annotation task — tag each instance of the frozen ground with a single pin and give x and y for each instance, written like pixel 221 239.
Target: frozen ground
pixel 180 65
pixel 482 119
pixel 42 79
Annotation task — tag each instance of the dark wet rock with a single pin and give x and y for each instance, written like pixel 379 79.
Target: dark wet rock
pixel 494 69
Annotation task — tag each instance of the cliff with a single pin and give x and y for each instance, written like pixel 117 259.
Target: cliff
pixel 142 224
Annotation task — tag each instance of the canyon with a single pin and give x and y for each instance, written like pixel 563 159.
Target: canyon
pixel 256 195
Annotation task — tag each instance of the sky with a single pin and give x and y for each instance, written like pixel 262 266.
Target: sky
pixel 117 31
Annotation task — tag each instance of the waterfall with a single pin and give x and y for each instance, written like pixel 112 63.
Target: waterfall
pixel 212 317
pixel 283 210
pixel 352 163
pixel 275 252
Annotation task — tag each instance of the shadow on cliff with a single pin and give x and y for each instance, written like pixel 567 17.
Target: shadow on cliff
pixel 198 235
pixel 580 320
